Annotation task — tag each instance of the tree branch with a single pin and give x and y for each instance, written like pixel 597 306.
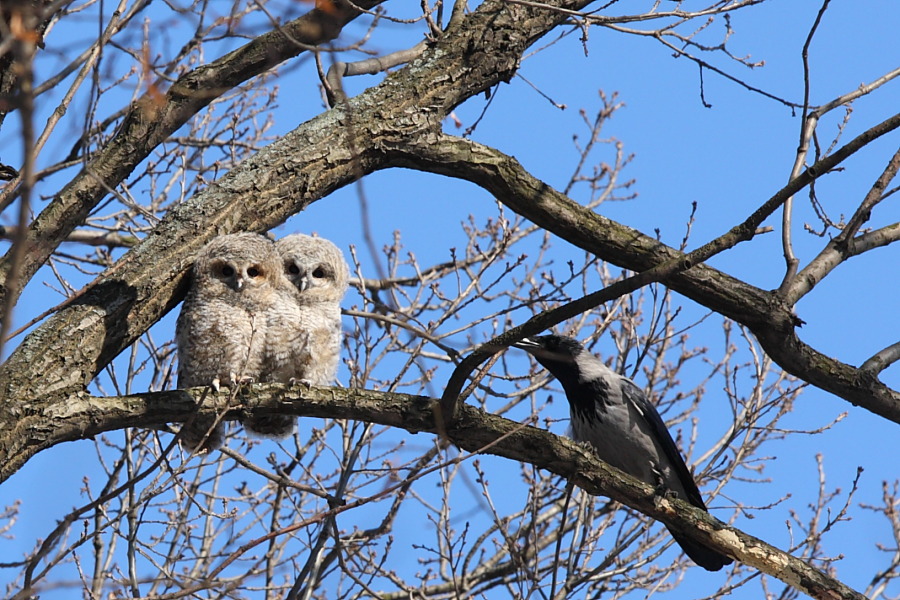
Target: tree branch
pixel 844 245
pixel 151 120
pixel 336 148
pixel 765 313
pixel 474 431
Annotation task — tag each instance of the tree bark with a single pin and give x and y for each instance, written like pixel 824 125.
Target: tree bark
pixel 474 431
pixel 324 154
pixel 392 124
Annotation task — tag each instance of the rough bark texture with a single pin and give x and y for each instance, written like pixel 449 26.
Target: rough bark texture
pixel 473 431
pixel 152 119
pixel 320 156
pixel 764 312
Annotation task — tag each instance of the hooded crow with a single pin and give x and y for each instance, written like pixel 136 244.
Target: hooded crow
pixel 613 415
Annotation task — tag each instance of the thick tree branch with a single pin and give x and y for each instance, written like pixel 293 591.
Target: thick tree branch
pixel 83 416
pixel 763 312
pixel 397 123
pixel 41 402
pixel 336 148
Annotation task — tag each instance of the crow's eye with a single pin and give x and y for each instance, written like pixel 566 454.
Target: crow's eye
pixel 293 269
pixel 227 271
pixel 253 272
pixel 319 273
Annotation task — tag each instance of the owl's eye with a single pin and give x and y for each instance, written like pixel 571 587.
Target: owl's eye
pixel 253 272
pixel 227 271
pixel 293 269
pixel 319 273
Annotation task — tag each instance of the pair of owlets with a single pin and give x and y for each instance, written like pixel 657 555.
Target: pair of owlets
pixel 264 311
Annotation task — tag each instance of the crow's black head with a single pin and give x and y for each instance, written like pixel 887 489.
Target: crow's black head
pixel 556 353
pixel 551 346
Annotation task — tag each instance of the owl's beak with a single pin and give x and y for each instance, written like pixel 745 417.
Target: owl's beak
pixel 303 283
pixel 239 283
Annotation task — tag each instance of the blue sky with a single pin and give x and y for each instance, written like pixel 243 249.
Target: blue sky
pixel 728 158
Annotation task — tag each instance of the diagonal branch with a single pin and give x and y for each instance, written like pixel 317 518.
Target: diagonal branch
pixel 326 153
pixel 765 313
pixel 151 120
pixel 845 244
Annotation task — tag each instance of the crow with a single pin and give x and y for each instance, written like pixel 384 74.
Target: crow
pixel 613 415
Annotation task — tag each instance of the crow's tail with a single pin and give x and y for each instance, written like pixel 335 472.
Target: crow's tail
pixel 700 554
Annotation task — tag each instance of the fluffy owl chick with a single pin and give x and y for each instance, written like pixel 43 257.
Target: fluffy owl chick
pixel 221 331
pixel 303 340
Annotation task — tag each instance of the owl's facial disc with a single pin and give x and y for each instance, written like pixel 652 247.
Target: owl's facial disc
pixel 297 274
pixel 229 275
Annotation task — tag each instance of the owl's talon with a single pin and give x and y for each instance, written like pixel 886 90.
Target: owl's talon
pixel 216 384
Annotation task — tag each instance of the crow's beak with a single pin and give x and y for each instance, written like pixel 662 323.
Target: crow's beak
pixel 527 344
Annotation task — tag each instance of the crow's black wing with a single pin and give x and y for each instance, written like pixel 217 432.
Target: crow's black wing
pixel 705 557
pixel 633 394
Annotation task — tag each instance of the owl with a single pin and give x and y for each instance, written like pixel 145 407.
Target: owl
pixel 303 340
pixel 221 332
